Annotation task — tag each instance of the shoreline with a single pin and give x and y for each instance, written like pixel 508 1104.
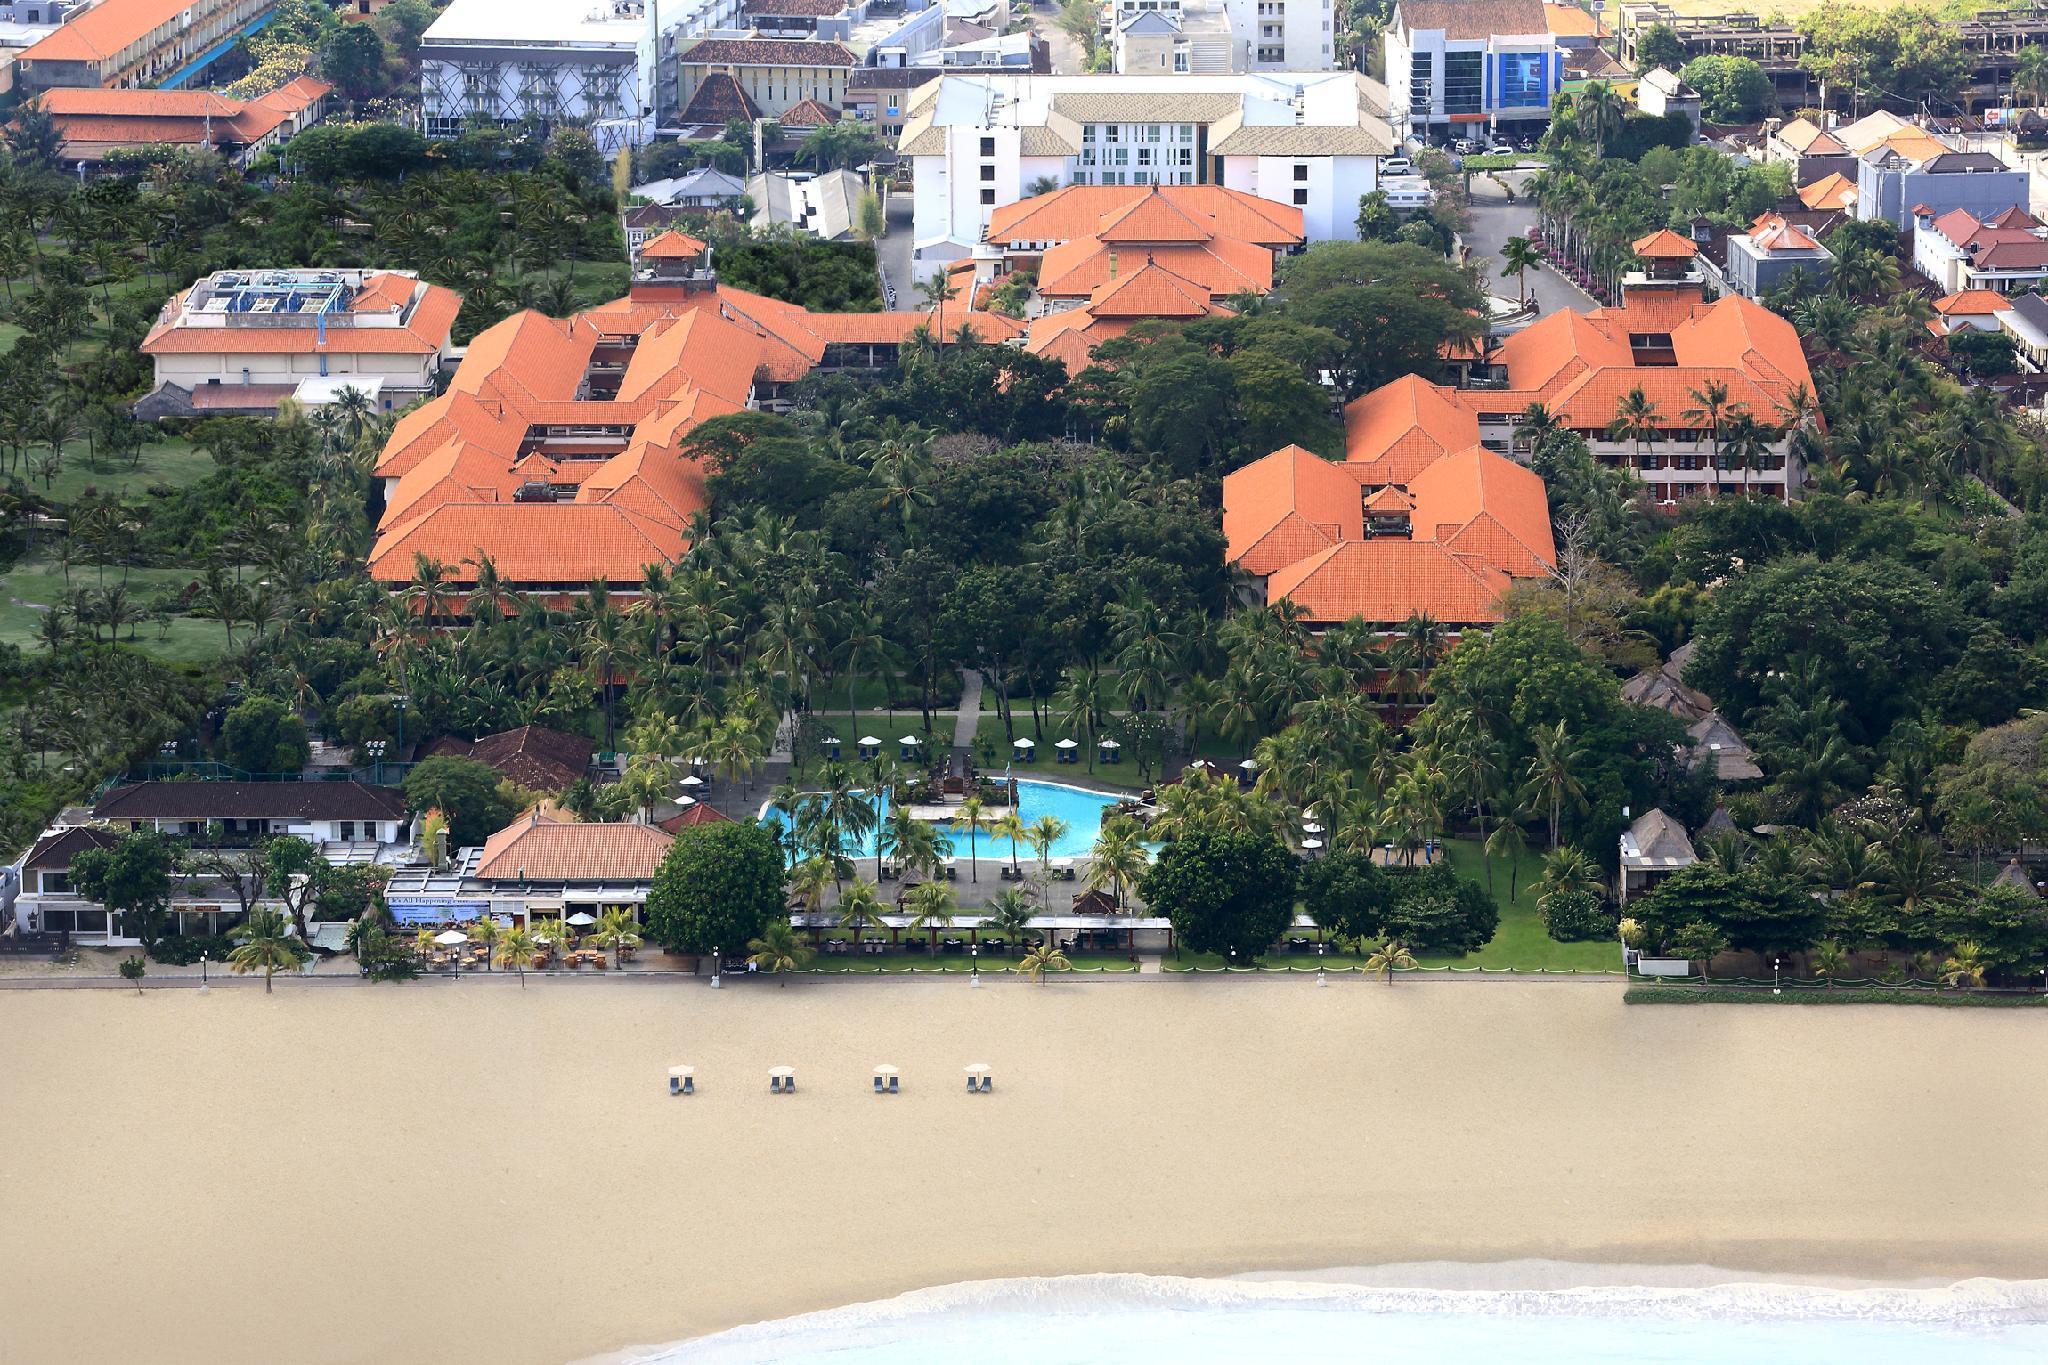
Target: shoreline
pixel 498 1174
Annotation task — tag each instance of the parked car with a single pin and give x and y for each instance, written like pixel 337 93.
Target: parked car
pixel 1502 149
pixel 1397 165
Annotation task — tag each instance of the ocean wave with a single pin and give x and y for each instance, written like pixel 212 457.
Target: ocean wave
pixel 1974 1305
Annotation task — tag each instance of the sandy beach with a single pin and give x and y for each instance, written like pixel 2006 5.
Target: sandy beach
pixel 473 1172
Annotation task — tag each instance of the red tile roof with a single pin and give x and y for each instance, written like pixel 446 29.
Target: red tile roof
pixel 718 99
pixel 672 246
pixel 534 849
pixel 766 52
pixel 530 542
pixel 1388 580
pixel 98 33
pixel 1398 429
pixel 1082 210
pixel 689 816
pixel 1287 506
pixel 1664 245
pixel 808 114
pixel 1977 302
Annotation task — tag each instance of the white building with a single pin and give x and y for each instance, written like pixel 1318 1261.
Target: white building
pixel 2006 252
pixel 1313 140
pixel 1262 35
pixel 240 340
pixel 825 206
pixel 1456 68
pixel 597 62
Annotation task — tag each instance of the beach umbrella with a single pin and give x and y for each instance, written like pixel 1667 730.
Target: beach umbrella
pixel 869 739
pixel 909 739
pixel 581 918
pixel 451 937
pixel 1066 744
pixel 1311 827
pixel 686 800
pixel 1250 765
pixel 1024 744
pixel 1311 843
pixel 691 781
pixel 1111 744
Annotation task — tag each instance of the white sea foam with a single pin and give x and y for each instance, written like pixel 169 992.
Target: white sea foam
pixel 1126 1317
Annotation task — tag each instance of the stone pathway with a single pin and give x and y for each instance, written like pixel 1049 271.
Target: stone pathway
pixel 968 719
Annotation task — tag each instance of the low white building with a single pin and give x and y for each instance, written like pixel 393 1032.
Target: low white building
pixel 1255 35
pixel 1662 92
pixel 1313 140
pixel 240 340
pixel 607 64
pixel 824 206
pixel 2005 252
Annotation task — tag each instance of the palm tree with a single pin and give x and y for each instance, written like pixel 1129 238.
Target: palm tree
pixel 1390 956
pixel 973 817
pixel 1046 957
pixel 1829 960
pixel 1117 858
pixel 808 880
pixel 486 932
pixel 937 292
pixel 777 949
pixel 2030 74
pixel 618 931
pixel 931 906
pixel 264 942
pixel 1044 832
pixel 1965 966
pixel 1010 826
pixel 602 645
pixel 519 951
pixel 1009 913
pixel 1518 256
pixel 860 908
pixel 1635 420
pixel 1566 870
pixel 1601 113
pixel 1552 775
pixel 1710 409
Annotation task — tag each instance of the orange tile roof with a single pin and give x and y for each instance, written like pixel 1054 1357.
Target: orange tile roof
pixel 1390 499
pixel 1569 21
pixel 420 431
pixel 384 292
pixel 1152 291
pixel 1224 265
pixel 1071 337
pixel 1398 428
pixel 424 332
pixel 701 350
pixel 1079 211
pixel 1559 347
pixel 1388 580
pixel 104 30
pixel 529 356
pixel 1287 506
pixel 1832 191
pixel 530 542
pixel 542 850
pixel 1664 245
pixel 1482 504
pixel 92 100
pixel 1733 330
pixel 1775 234
pixel 672 246
pixel 1972 301
pixel 1151 219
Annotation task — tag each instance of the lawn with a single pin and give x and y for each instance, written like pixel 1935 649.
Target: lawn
pixel 174 462
pixel 990 729
pixel 35 584
pixel 9 334
pixel 1520 943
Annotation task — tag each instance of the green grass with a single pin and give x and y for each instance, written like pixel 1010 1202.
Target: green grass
pixel 9 334
pixel 1519 944
pixel 1505 163
pixel 173 462
pixel 990 728
pixel 37 583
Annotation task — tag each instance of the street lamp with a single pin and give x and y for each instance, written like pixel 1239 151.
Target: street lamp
pixel 203 987
pixel 376 748
pixel 1321 980
pixel 400 704
pixel 1776 963
pixel 716 959
pixel 974 965
pixel 1233 960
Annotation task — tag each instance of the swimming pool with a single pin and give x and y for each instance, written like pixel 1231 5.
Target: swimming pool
pixel 1081 811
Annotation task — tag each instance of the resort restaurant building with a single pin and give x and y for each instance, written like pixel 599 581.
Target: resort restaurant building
pixel 539 868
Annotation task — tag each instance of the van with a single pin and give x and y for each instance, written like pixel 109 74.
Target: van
pixel 1397 165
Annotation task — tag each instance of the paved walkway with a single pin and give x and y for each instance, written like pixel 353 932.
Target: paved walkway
pixel 968 719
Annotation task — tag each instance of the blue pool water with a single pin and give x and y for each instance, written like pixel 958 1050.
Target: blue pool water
pixel 1082 812
pixel 1116 1319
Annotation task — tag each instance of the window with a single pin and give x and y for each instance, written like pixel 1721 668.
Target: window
pixel 1463 81
pixel 988 146
pixel 1151 132
pixel 1421 83
pixel 1301 196
pixel 1112 133
pixel 1521 80
pixel 988 172
pixel 988 196
pixel 1087 133
pixel 1122 158
pixel 1300 171
pixel 1144 156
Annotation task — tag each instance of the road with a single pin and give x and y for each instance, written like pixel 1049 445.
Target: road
pixel 893 253
pixel 1067 57
pixel 1494 220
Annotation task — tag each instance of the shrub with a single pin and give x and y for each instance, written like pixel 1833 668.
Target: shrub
pixel 182 950
pixel 1574 916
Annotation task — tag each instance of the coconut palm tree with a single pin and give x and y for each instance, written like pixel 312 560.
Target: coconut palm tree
pixel 1009 913
pixel 1566 870
pixel 1965 966
pixel 487 932
pixel 1829 960
pixel 931 906
pixel 1552 775
pixel 1390 956
pixel 1011 826
pixel 777 949
pixel 1710 408
pixel 1518 256
pixel 1044 958
pixel 618 931
pixel 264 942
pixel 973 817
pixel 1635 421
pixel 860 908
pixel 808 880
pixel 519 951
pixel 1044 832
pixel 1117 858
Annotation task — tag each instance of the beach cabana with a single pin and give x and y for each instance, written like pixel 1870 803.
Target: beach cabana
pixel 691 783
pixel 782 1080
pixel 1069 752
pixel 1025 749
pixel 886 1079
pixel 682 1080
pixel 1248 770
pixel 910 745
pixel 829 746
pixel 1109 751
pixel 979 1081
pixel 869 747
